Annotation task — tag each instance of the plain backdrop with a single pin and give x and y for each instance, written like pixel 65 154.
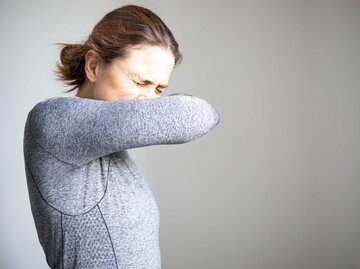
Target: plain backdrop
pixel 276 185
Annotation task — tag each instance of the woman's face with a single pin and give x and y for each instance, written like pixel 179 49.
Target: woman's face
pixel 145 73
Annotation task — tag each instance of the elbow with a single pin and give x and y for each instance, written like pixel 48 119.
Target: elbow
pixel 208 119
pixel 212 116
pixel 197 118
pixel 216 117
pixel 214 120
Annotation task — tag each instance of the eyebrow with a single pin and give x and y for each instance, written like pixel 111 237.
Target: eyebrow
pixel 146 81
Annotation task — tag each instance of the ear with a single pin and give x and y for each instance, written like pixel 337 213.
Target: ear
pixel 92 65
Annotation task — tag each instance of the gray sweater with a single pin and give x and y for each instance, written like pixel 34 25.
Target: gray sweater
pixel 91 205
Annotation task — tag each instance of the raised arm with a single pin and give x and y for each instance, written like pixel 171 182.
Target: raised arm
pixel 78 130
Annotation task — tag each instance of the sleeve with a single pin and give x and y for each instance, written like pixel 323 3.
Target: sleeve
pixel 78 130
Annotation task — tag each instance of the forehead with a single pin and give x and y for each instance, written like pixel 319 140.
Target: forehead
pixel 153 62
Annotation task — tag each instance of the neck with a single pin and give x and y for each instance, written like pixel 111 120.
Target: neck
pixel 85 91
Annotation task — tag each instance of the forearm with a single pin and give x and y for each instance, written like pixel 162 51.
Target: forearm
pixel 78 130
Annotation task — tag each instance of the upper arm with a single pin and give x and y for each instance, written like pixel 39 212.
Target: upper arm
pixel 78 130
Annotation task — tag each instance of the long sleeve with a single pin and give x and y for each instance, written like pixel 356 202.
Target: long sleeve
pixel 79 130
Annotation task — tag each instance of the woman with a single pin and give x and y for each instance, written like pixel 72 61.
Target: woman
pixel 91 205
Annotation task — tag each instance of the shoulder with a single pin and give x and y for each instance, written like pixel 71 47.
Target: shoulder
pixel 51 102
pixel 50 106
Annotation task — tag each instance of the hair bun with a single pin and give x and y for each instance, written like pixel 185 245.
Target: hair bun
pixel 71 68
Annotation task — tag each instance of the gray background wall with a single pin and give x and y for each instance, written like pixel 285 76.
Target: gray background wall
pixel 275 185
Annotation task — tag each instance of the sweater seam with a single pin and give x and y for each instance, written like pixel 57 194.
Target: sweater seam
pixel 67 214
pixel 107 229
pixel 41 147
pixel 62 239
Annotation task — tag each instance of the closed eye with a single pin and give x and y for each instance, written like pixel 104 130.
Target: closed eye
pixel 159 90
pixel 139 84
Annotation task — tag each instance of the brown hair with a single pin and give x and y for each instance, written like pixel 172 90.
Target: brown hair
pixel 111 37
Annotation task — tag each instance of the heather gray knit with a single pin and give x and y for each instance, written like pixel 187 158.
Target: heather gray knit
pixel 91 205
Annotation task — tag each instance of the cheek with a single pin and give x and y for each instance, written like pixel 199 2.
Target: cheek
pixel 108 82
pixel 112 81
pixel 120 83
pixel 112 87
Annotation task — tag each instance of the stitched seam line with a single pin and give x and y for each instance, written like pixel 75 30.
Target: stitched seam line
pixel 42 197
pixel 62 239
pixel 112 245
pixel 30 116
pixel 34 140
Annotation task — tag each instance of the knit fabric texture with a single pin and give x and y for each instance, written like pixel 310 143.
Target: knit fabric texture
pixel 91 205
